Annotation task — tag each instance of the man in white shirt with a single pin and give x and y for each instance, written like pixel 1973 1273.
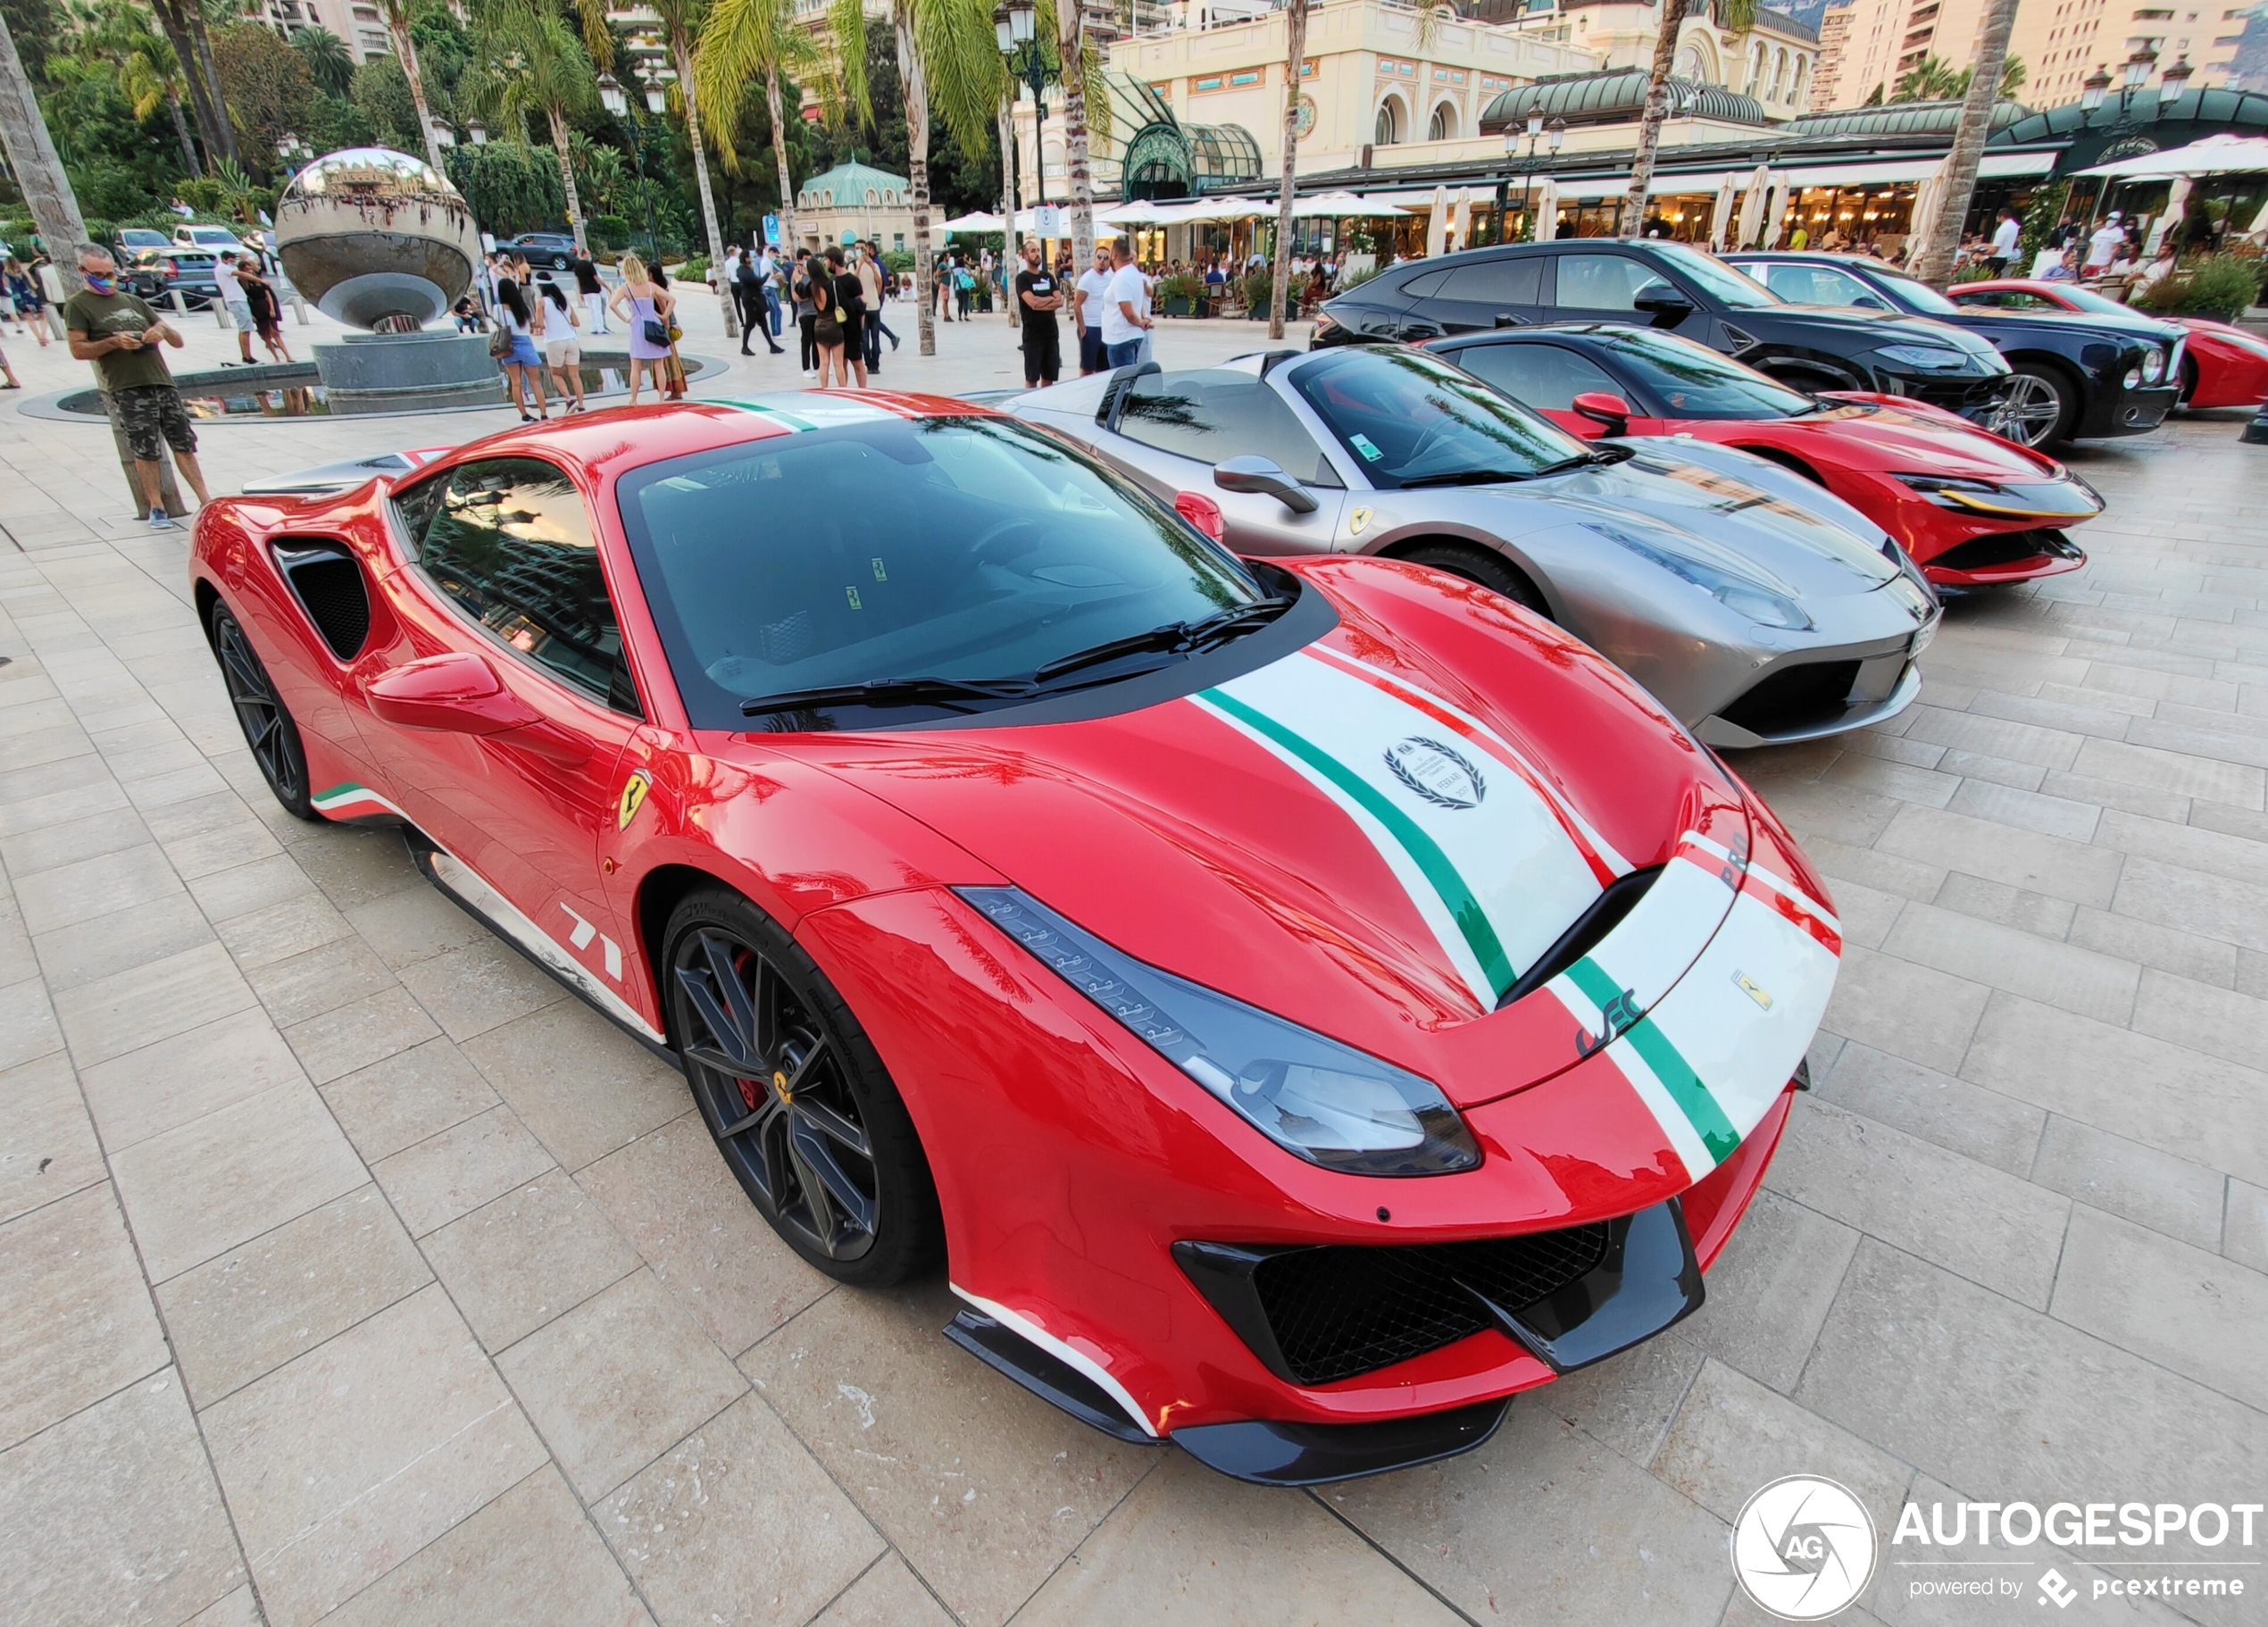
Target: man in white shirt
pixel 2005 241
pixel 1126 306
pixel 2103 247
pixel 224 273
pixel 1086 310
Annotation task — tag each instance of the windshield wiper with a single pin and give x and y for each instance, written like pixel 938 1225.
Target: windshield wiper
pixel 890 692
pixel 1172 638
pixel 1468 477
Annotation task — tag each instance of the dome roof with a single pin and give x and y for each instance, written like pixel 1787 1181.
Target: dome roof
pixel 1614 96
pixel 852 186
pixel 1899 119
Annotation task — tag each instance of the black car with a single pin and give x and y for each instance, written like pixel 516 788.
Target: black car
pixel 1672 286
pixel 157 274
pixel 2075 377
pixel 550 248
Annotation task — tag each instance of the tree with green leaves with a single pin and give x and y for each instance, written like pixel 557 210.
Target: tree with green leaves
pixel 398 18
pixel 682 22
pixel 183 22
pixel 743 42
pixel 149 74
pixel 329 61
pixel 1935 80
pixel 543 70
pixel 269 91
pixel 945 49
pixel 1734 17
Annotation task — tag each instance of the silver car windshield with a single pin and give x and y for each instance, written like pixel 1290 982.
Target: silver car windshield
pixel 1727 284
pixel 1410 418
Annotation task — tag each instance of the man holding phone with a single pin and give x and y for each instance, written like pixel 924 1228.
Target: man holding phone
pixel 119 335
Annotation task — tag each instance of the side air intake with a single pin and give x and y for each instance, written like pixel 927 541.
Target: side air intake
pixel 329 585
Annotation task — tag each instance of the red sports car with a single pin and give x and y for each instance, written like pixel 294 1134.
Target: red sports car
pixel 1303 1003
pixel 1971 509
pixel 2222 364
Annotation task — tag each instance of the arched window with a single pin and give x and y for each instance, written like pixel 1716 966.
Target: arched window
pixel 1443 125
pixel 1802 80
pixel 1690 65
pixel 1778 74
pixel 1756 70
pixel 1391 123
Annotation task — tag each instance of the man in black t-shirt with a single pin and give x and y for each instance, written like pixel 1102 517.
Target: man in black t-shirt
pixel 590 290
pixel 1039 296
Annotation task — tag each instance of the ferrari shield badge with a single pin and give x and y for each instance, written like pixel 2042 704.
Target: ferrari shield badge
pixel 633 799
pixel 1356 520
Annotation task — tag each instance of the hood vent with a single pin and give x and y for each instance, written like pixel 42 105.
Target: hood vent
pixel 1605 915
pixel 329 585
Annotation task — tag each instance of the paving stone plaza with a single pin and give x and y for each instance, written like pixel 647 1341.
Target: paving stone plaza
pixel 355 1273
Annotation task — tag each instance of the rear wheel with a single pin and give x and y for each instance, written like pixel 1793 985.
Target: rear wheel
pixel 267 725
pixel 2039 409
pixel 1491 570
pixel 800 1104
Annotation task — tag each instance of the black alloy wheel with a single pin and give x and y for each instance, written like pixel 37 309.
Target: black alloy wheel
pixel 1475 564
pixel 799 1104
pixel 267 725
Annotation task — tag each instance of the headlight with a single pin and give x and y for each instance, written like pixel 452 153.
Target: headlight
pixel 1929 356
pixel 1946 491
pixel 2133 378
pixel 1317 1100
pixel 2153 364
pixel 1743 595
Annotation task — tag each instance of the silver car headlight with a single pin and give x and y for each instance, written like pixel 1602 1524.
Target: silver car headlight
pixel 1929 357
pixel 2153 364
pixel 1760 602
pixel 1320 1101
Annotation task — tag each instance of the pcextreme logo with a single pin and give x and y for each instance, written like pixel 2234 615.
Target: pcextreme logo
pixel 1802 1549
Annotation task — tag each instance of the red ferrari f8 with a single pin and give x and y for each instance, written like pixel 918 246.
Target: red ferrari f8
pixel 1302 1003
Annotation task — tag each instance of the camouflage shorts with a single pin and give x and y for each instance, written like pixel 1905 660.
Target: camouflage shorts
pixel 151 412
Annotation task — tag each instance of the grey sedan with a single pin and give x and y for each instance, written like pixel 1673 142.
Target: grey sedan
pixel 1756 607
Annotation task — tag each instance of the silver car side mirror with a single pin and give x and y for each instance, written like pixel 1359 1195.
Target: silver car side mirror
pixel 1263 477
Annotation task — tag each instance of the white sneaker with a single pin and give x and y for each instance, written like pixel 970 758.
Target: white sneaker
pixel 811 372
pixel 159 520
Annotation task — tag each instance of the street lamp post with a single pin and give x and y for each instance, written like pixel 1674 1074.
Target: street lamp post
pixel 1013 28
pixel 2135 74
pixel 617 101
pixel 1552 135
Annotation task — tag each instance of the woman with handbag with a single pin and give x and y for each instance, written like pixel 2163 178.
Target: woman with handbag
pixel 513 345
pixel 827 334
pixel 672 378
pixel 645 308
pixel 848 302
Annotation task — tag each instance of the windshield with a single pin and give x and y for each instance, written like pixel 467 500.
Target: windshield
pixel 887 549
pixel 1694 381
pixel 1410 419
pixel 1918 296
pixel 1723 283
pixel 2086 299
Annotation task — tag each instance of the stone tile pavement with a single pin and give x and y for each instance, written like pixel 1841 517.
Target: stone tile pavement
pixel 354 1273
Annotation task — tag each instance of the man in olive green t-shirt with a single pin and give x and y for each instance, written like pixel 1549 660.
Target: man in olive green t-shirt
pixel 119 335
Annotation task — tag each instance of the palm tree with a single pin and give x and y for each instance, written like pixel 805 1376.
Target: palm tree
pixel 150 73
pixel 184 24
pixel 39 171
pixel 742 41
pixel 543 69
pixel 1072 55
pixel 943 45
pixel 1734 17
pixel 396 13
pixel 1933 263
pixel 329 60
pixel 683 21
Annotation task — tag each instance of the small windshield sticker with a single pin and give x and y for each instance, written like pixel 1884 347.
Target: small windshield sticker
pixel 1363 445
pixel 852 595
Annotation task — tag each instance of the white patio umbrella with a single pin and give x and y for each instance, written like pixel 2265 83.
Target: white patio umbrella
pixel 2259 227
pixel 2222 154
pixel 1752 206
pixel 1720 217
pixel 1927 193
pixel 1437 223
pixel 978 222
pixel 1461 216
pixel 1334 206
pixel 1776 212
pixel 1546 209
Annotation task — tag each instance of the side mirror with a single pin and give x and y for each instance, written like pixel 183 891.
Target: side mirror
pixel 1260 477
pixel 1667 308
pixel 1867 302
pixel 1601 408
pixel 1505 319
pixel 458 693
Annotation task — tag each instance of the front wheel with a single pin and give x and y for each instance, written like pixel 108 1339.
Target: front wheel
pixel 798 1101
pixel 1491 570
pixel 2038 409
pixel 267 725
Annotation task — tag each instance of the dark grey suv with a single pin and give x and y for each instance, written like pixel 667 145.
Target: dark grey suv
pixel 1676 287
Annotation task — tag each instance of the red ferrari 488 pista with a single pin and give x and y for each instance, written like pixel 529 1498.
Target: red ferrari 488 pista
pixel 1302 1003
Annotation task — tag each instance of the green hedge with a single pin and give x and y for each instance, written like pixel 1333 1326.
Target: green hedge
pixel 2219 285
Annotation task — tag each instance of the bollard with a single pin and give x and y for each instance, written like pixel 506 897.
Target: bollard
pixel 221 315
pixel 2257 432
pixel 179 309
pixel 300 306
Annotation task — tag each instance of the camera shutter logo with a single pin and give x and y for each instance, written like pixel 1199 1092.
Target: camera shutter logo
pixel 1802 1549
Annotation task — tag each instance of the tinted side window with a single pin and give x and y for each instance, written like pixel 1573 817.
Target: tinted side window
pixel 1215 412
pixel 1820 285
pixel 1605 282
pixel 1513 280
pixel 508 540
pixel 1542 376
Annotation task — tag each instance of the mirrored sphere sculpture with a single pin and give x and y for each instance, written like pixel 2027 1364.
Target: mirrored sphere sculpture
pixel 378 239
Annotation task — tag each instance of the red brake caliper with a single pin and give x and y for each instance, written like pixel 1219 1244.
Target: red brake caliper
pixel 751 1092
